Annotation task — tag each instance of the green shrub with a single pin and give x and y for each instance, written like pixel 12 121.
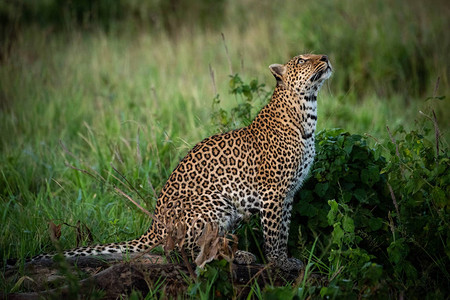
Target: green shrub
pixel 381 222
pixel 249 98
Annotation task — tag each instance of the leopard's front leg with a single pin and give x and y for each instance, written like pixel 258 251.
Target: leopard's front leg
pixel 275 219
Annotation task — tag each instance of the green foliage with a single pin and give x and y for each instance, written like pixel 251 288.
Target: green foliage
pixel 249 97
pixel 345 168
pixel 337 206
pixel 278 292
pixel 374 237
pixel 213 282
pixel 419 175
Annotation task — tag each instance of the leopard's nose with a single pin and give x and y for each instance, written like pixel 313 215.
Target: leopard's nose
pixel 324 58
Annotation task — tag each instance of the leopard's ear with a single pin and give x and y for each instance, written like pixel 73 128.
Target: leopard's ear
pixel 278 72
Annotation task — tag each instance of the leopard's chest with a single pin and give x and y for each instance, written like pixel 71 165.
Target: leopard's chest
pixel 303 166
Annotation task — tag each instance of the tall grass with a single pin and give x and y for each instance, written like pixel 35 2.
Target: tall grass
pixel 138 97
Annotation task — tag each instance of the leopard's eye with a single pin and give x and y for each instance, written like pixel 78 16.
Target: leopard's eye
pixel 301 61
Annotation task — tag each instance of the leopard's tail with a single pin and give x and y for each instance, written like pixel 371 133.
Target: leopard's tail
pixel 143 243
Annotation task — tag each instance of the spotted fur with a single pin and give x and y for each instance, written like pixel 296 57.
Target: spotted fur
pixel 253 170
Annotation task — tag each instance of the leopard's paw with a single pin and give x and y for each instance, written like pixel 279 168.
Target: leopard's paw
pixel 244 258
pixel 290 264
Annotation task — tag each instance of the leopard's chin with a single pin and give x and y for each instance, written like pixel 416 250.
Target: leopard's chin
pixel 322 75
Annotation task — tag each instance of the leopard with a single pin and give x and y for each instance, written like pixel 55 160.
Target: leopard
pixel 254 170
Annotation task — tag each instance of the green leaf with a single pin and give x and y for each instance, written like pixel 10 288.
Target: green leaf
pixel 372 271
pixel 375 223
pixel 377 153
pixel 410 270
pixel 365 176
pixel 306 195
pixel 348 146
pixel 348 224
pixel 338 234
pixel 397 251
pixel 321 188
pixel 280 292
pixel 346 196
pixel 306 209
pixel 360 195
pixel 333 211
pixel 435 98
pixel 329 292
pixel 439 198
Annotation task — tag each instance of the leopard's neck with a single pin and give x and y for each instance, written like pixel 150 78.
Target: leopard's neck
pixel 289 110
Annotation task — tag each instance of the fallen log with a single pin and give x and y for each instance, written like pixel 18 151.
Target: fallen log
pixel 115 275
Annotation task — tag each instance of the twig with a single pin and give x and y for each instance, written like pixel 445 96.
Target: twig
pixel 436 87
pixel 121 182
pixel 67 150
pixel 134 202
pixel 259 273
pixel 336 273
pixel 98 177
pixel 437 132
pixel 391 225
pixel 87 173
pixel 377 141
pixel 228 55
pixel 117 154
pixel 393 141
pixel 130 186
pixel 213 81
pixel 394 200
pixel 138 149
pixel 187 264
pixel 155 196
pixel 154 218
pixel 138 255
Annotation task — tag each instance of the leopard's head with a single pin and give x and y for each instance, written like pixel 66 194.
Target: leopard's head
pixel 303 72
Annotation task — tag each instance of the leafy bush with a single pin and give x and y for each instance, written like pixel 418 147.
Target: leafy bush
pixel 249 98
pixel 381 222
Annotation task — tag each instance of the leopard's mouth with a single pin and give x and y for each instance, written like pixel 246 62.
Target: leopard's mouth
pixel 322 74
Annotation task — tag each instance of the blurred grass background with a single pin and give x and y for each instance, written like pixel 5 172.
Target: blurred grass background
pixel 128 83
